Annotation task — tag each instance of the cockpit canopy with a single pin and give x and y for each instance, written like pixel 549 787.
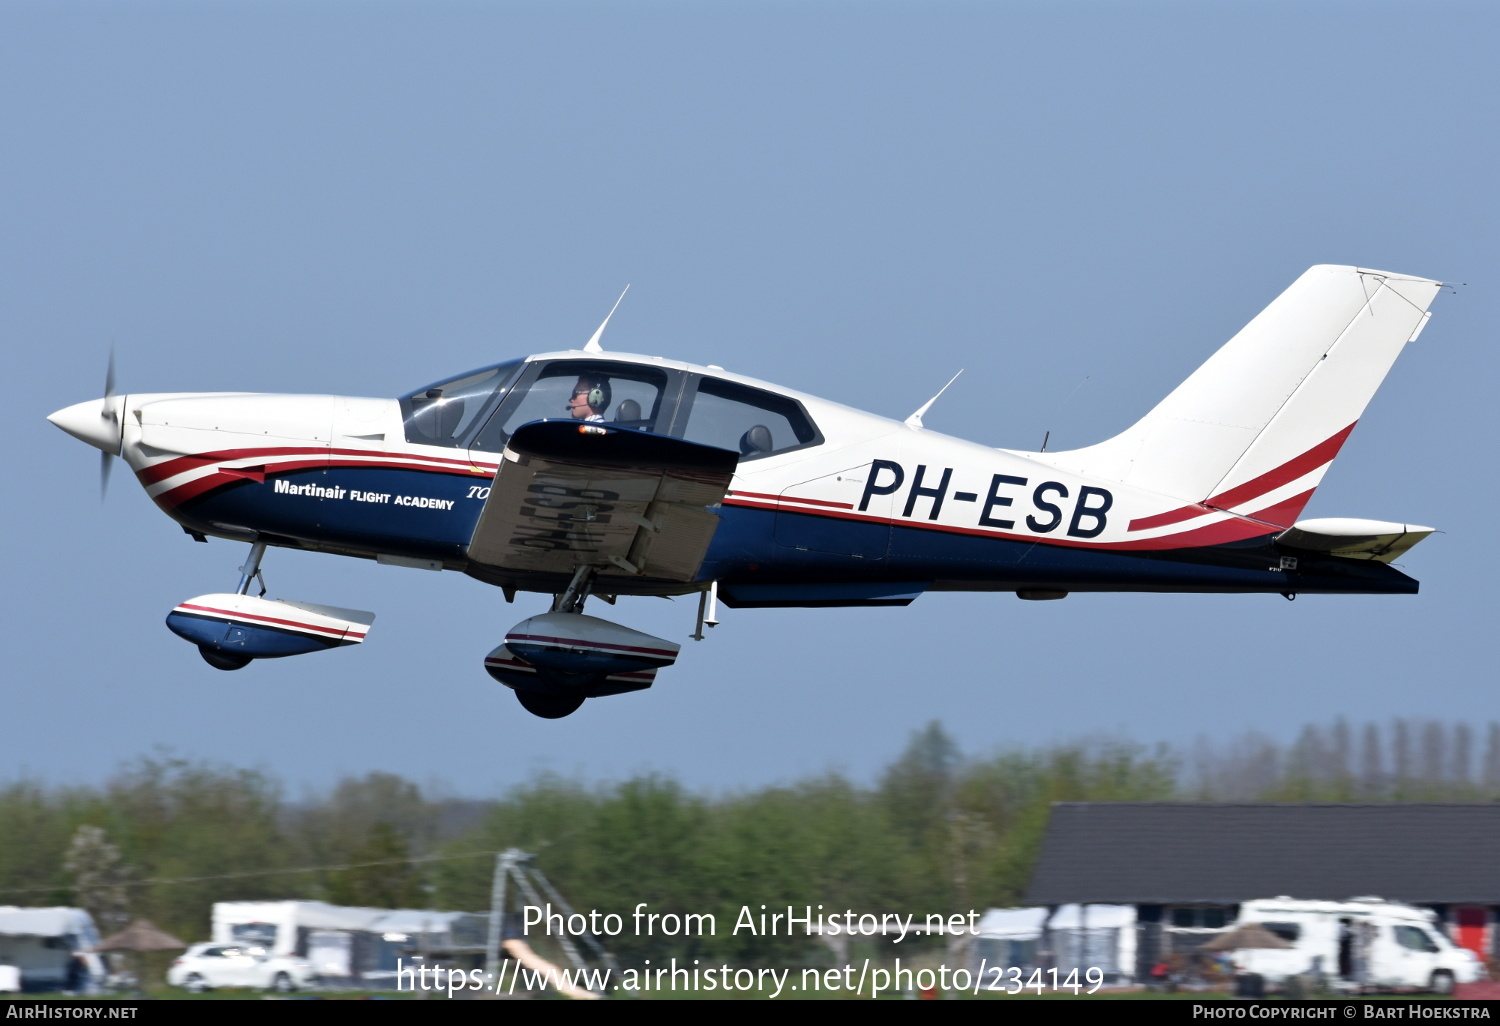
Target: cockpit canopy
pixel 480 410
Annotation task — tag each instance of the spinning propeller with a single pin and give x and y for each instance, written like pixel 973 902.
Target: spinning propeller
pixel 110 414
pixel 97 422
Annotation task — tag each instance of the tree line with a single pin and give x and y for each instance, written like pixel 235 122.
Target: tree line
pixel 939 831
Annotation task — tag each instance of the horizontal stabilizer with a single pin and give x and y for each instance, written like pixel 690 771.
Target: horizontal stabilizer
pixel 1353 539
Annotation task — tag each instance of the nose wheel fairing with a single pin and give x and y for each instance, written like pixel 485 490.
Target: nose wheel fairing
pixel 515 673
pixel 569 654
pixel 231 630
pixel 256 628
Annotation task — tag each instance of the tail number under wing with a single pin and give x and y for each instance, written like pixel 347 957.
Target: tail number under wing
pixel 571 494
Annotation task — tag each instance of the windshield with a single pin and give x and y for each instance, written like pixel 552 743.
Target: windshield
pixel 625 394
pixel 444 413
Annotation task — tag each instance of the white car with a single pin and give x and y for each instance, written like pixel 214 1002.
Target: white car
pixel 204 966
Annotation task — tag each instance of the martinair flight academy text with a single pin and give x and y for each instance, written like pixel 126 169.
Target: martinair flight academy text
pixel 584 473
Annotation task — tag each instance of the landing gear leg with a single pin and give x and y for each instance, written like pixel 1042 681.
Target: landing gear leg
pixel 550 705
pixel 251 570
pixel 572 597
pixel 249 574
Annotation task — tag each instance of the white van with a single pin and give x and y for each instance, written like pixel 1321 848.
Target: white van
pixel 1365 942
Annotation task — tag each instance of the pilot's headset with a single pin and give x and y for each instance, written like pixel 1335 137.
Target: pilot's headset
pixel 599 394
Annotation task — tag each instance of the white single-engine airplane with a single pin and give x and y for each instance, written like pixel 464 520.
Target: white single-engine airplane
pixel 584 473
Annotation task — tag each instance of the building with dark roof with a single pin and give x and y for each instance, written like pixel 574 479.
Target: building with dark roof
pixel 1188 865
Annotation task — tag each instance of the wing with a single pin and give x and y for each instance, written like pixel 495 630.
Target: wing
pixel 572 494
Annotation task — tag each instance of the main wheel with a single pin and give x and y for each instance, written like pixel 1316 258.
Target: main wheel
pixel 548 707
pixel 223 660
pixel 283 984
pixel 1442 982
pixel 195 984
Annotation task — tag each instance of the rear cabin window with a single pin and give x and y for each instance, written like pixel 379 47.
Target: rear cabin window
pixel 747 420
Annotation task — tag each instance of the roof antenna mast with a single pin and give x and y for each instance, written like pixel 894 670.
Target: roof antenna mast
pixel 593 345
pixel 915 420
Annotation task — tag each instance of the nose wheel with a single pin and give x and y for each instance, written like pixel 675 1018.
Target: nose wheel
pixel 249 574
pixel 548 707
pixel 223 660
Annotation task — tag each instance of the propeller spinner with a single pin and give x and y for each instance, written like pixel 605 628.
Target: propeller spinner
pixel 97 422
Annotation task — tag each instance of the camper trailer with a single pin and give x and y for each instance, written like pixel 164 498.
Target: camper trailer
pixel 360 945
pixel 43 949
pixel 1068 938
pixel 1358 944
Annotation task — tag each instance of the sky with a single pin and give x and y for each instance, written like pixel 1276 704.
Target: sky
pixel 1075 203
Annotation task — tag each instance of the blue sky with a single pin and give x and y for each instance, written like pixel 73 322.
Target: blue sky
pixel 1075 202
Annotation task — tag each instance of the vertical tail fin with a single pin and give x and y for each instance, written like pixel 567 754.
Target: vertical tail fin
pixel 1258 424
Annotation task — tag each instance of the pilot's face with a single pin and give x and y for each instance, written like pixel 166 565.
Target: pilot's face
pixel 579 406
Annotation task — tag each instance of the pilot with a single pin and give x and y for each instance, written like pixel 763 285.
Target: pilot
pixel 590 398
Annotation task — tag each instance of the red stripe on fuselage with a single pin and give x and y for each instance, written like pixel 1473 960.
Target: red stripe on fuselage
pixel 182 464
pixel 791 498
pixel 1174 516
pixel 174 497
pixel 1311 460
pixel 1319 455
pixel 1237 528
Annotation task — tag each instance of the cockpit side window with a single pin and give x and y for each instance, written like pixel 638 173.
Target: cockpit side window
pixel 445 413
pixel 629 395
pixel 749 421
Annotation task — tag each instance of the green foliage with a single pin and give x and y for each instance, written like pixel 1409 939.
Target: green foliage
pixel 940 833
pixel 380 873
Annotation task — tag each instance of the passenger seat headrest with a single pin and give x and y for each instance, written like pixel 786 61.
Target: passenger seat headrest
pixel 756 440
pixel 628 409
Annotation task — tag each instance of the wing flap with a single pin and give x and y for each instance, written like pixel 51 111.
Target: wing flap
pixel 631 503
pixel 674 548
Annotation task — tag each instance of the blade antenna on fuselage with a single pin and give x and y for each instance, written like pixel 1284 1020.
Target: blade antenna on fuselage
pixel 915 420
pixel 593 345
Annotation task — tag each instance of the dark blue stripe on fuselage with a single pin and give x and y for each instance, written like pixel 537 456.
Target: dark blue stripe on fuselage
pixel 754 545
pixel 357 519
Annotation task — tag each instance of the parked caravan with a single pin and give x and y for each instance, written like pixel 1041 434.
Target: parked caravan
pixel 1073 938
pixel 1363 943
pixel 1008 937
pixel 1102 937
pixel 46 949
pixel 362 945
